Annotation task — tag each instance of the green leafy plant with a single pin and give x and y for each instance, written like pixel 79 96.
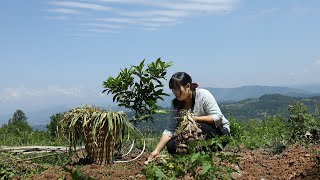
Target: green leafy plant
pixel 204 164
pixel 11 167
pixel 301 122
pixel 269 132
pixel 139 88
pixel 53 127
pixel 18 132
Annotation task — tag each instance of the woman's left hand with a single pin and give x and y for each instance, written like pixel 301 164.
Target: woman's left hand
pixel 195 118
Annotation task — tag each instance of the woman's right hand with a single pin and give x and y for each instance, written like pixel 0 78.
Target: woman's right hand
pixel 163 141
pixel 152 156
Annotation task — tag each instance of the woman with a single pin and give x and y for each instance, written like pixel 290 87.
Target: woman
pixel 203 106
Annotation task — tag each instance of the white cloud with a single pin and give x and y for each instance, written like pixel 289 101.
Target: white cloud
pixel 20 93
pixel 9 94
pixel 148 23
pixel 118 20
pixel 317 62
pixel 219 7
pixel 185 5
pixel 101 31
pixel 64 11
pixel 145 14
pixel 71 4
pixel 159 19
pixel 71 92
pixel 152 24
pixel 154 13
pixel 109 26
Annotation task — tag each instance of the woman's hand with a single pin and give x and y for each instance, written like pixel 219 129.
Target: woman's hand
pixel 195 118
pixel 152 156
pixel 163 141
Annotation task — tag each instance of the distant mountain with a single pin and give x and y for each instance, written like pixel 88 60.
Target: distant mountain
pixel 40 127
pixel 269 104
pixel 245 92
pixel 313 88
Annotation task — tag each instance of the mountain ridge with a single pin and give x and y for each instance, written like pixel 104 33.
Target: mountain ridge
pixel 253 91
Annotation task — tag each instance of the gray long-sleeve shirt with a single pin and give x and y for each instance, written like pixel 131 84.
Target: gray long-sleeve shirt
pixel 205 104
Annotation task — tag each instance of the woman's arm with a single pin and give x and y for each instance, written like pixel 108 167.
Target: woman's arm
pixel 204 119
pixel 163 141
pixel 166 135
pixel 210 106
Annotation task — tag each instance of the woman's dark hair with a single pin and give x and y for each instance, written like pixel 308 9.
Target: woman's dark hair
pixel 182 79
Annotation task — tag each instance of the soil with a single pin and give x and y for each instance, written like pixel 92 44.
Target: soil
pixel 295 163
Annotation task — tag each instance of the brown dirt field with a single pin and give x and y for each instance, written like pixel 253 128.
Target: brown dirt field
pixel 295 163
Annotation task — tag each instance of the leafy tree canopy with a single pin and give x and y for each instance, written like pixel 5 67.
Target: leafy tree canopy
pixel 139 88
pixel 54 124
pixel 19 122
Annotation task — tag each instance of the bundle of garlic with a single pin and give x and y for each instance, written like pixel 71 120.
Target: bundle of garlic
pixel 187 131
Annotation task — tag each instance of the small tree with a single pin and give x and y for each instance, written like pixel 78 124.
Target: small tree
pixel 18 117
pixel 139 88
pixel 18 123
pixel 17 129
pixel 54 124
pixel 301 122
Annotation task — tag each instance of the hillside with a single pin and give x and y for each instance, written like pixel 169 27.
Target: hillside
pixel 245 92
pixel 266 105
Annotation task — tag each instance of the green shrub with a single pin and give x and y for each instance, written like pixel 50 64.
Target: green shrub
pixel 139 88
pixel 301 122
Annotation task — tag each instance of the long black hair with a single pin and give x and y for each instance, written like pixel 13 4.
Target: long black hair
pixel 182 79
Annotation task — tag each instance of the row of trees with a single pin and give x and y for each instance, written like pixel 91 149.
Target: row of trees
pixel 18 132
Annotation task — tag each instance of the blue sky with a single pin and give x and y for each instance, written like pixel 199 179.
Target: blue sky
pixel 56 52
